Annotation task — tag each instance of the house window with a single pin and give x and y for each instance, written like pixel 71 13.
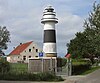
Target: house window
pixel 36 50
pixel 18 56
pixel 29 56
pixel 24 58
pixel 29 50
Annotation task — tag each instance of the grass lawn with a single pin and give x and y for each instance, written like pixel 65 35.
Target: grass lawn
pixel 92 69
pixel 19 67
pixel 18 72
pixel 79 63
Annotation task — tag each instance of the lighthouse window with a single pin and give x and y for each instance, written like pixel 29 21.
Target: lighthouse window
pixel 36 50
pixel 50 10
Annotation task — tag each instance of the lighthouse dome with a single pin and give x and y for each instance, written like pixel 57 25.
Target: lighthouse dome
pixel 49 15
pixel 49 9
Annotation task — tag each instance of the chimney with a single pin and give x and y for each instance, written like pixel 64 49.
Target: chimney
pixel 13 47
pixel 20 43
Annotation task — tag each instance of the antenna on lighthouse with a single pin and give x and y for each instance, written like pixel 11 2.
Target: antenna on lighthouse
pixel 49 42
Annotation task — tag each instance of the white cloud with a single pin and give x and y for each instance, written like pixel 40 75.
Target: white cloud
pixel 68 25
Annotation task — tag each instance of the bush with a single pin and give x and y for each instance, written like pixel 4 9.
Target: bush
pixel 30 77
pixel 46 76
pixel 49 77
pixel 4 66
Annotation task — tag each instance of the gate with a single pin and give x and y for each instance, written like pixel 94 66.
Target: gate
pixel 65 70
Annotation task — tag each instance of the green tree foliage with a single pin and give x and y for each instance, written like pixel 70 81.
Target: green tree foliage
pixel 4 66
pixel 61 62
pixel 4 37
pixel 87 43
pixel 77 46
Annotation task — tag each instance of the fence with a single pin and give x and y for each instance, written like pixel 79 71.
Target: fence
pixel 40 65
pixel 43 64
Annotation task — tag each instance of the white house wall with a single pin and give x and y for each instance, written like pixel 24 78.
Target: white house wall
pixel 13 58
pixel 32 53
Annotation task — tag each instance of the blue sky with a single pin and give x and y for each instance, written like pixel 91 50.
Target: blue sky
pixel 23 19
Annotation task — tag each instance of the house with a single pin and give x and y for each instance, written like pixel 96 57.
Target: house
pixel 23 52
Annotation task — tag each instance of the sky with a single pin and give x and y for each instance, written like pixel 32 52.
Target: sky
pixel 23 19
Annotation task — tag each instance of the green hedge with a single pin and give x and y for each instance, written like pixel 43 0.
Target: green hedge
pixel 80 66
pixel 30 77
pixel 78 69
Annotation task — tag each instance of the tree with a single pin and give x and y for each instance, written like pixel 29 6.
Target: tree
pixel 4 66
pixel 4 37
pixel 87 43
pixel 77 46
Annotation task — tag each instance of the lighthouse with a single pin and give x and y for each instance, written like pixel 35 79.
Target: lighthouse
pixel 49 41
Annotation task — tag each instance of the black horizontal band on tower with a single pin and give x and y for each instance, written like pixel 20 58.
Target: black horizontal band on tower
pixel 49 36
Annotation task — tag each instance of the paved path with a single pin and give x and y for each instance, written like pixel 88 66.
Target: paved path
pixel 91 78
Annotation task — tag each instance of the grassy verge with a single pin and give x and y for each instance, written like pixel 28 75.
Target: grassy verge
pixel 30 77
pixel 19 67
pixel 92 69
pixel 19 72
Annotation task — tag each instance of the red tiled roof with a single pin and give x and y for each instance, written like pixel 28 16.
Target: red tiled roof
pixel 20 48
pixel 68 55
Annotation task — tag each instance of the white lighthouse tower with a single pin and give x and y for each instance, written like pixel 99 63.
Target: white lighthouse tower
pixel 49 42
